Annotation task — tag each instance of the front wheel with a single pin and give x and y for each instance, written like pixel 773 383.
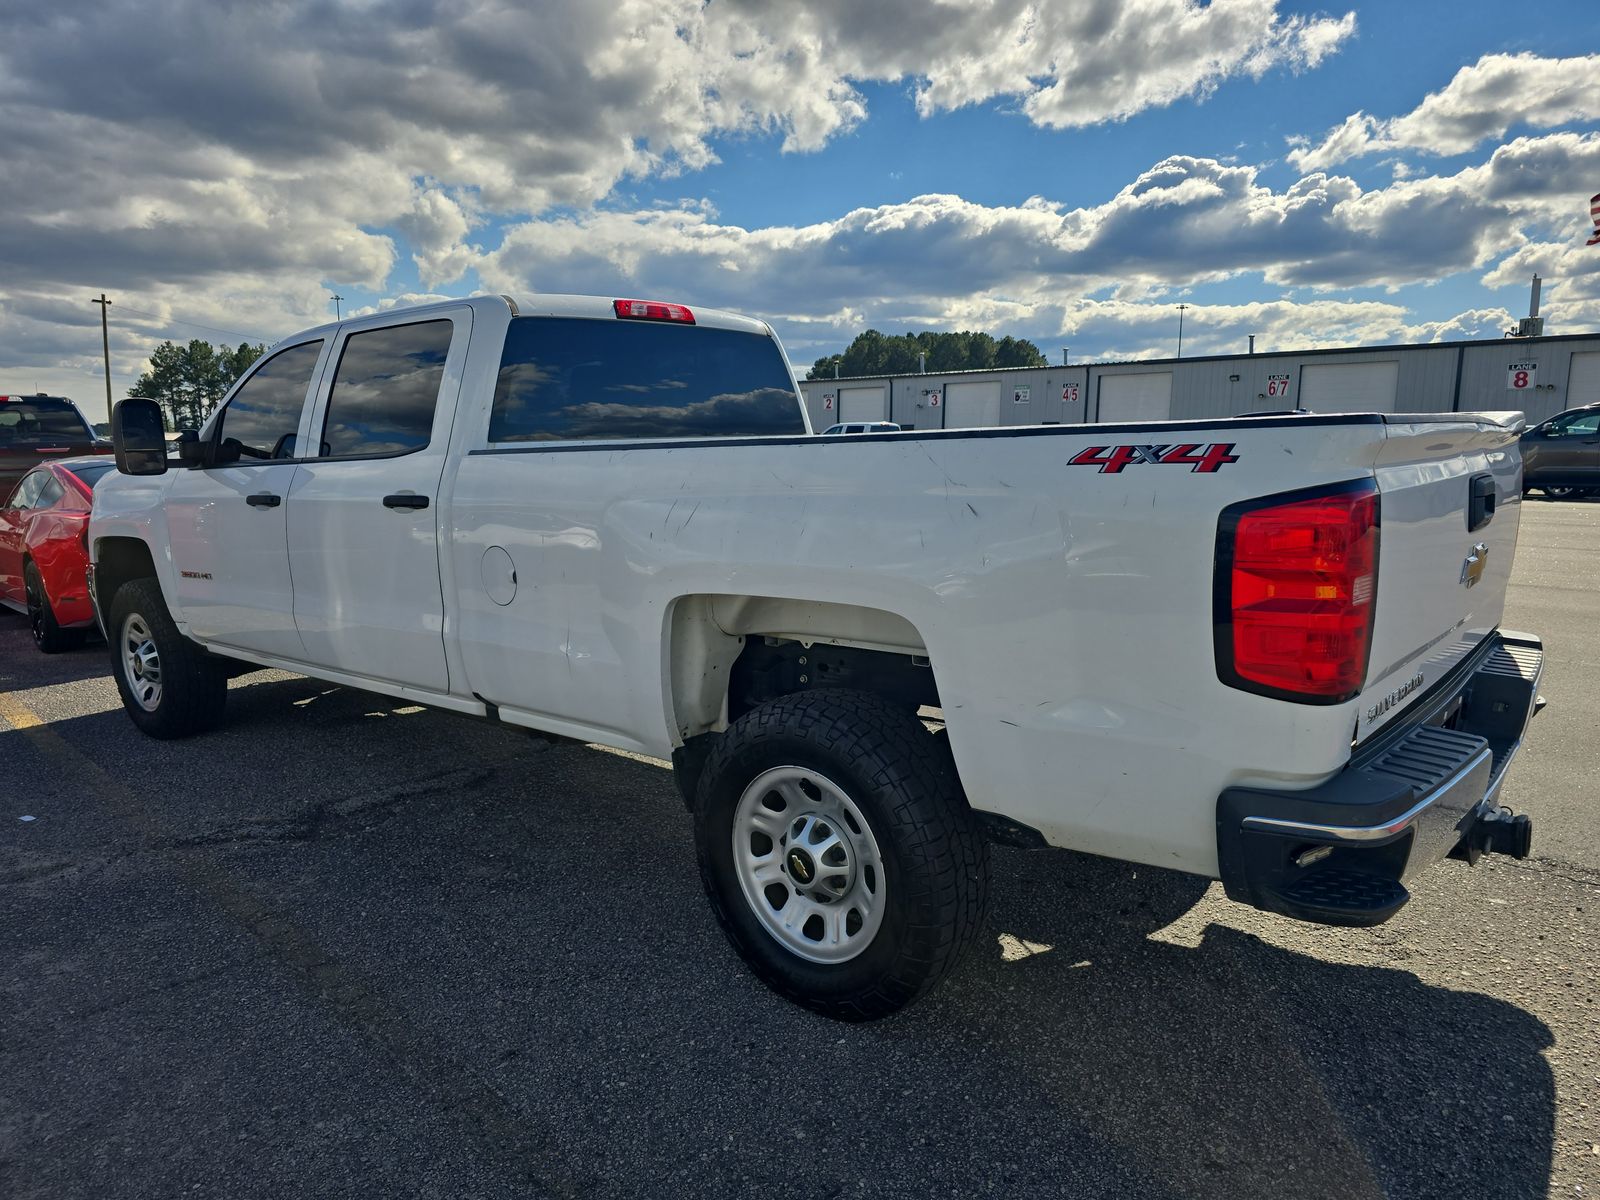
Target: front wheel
pixel 1558 493
pixel 839 853
pixel 170 687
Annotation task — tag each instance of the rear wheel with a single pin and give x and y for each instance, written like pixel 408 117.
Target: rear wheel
pixel 839 853
pixel 1558 493
pixel 170 687
pixel 47 635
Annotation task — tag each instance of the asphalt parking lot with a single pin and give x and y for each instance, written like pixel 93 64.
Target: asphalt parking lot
pixel 344 947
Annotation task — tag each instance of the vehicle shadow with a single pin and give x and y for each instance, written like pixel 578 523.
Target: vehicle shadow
pixel 1245 1069
pixel 22 665
pixel 481 909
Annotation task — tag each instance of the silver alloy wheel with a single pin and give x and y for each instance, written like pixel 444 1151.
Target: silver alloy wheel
pixel 808 864
pixel 141 662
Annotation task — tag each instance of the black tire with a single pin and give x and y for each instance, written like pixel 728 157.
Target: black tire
pixel 1556 492
pixel 193 687
pixel 934 857
pixel 47 635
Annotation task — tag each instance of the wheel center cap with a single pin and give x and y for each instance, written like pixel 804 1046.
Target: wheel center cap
pixel 818 858
pixel 801 868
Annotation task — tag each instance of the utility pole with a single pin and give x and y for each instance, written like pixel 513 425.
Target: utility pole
pixel 338 313
pixel 1181 307
pixel 105 347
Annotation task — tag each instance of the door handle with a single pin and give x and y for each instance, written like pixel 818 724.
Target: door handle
pixel 1480 501
pixel 263 500
pixel 405 500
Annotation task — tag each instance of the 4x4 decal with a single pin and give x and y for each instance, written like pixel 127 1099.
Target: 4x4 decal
pixel 1206 460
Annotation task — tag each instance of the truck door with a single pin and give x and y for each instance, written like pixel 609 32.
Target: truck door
pixel 364 511
pixel 227 520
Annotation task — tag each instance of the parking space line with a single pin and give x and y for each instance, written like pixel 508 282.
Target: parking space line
pixel 17 714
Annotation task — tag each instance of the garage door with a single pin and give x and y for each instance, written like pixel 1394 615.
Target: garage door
pixel 1143 397
pixel 863 404
pixel 1583 380
pixel 1349 387
pixel 971 405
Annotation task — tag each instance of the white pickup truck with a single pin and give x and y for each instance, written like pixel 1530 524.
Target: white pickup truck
pixel 1264 650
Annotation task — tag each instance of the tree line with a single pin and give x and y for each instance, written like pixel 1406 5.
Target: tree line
pixel 874 353
pixel 189 381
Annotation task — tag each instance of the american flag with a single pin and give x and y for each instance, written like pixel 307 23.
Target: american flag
pixel 1594 215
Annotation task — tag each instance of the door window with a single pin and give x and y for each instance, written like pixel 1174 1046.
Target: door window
pixel 385 390
pixel 1577 425
pixel 261 419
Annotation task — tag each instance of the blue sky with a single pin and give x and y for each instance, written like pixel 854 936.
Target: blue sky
pixel 1050 169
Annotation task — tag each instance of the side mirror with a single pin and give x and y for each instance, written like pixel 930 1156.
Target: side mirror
pixel 191 450
pixel 139 437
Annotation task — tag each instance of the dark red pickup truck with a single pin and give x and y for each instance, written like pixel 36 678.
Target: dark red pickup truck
pixel 36 428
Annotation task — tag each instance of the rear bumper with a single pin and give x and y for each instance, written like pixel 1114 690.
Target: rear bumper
pixel 1341 853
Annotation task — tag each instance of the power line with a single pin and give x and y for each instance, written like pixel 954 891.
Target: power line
pixel 254 337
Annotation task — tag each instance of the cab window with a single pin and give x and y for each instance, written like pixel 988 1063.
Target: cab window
pixel 572 379
pixel 385 390
pixel 41 419
pixel 261 420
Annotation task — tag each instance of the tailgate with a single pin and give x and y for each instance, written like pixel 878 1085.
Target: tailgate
pixel 1441 585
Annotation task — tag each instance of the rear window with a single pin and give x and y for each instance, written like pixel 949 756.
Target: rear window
pixel 574 379
pixel 91 474
pixel 41 420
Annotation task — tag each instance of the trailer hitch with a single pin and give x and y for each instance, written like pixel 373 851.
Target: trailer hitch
pixel 1498 831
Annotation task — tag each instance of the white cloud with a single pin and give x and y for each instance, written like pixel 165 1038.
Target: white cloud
pixel 1483 101
pixel 1150 330
pixel 1185 221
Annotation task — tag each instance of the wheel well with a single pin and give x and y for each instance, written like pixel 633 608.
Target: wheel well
pixel 771 667
pixel 728 654
pixel 118 560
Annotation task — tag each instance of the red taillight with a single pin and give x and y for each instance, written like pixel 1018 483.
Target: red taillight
pixel 1296 590
pixel 652 310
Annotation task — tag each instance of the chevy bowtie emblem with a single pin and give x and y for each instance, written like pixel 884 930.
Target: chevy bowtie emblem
pixel 799 867
pixel 1472 566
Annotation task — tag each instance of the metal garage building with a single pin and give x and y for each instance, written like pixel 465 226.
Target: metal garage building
pixel 1541 376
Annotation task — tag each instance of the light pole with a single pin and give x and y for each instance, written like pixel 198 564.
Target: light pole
pixel 338 313
pixel 105 346
pixel 1181 307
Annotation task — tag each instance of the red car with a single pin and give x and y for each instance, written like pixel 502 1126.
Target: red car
pixel 44 551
